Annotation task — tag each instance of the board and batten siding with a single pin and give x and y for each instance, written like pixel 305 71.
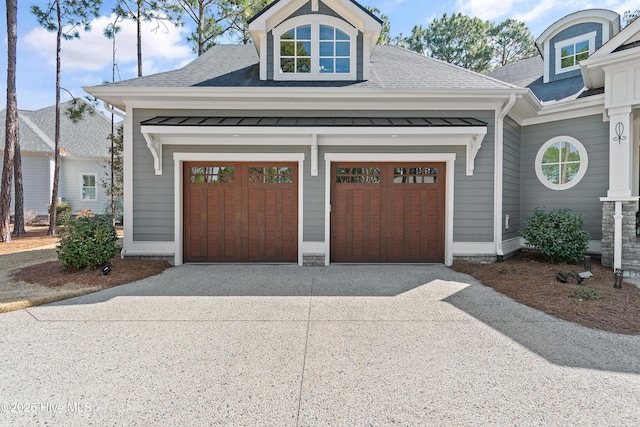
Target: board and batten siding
pixel 153 195
pixel 35 183
pixel 583 198
pixel 511 179
pixel 71 171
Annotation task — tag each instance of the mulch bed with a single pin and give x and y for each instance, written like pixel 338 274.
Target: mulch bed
pixel 53 274
pixel 528 279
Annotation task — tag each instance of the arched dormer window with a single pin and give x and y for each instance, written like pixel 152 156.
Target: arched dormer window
pixel 314 47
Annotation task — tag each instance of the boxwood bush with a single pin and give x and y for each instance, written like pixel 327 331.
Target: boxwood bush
pixel 557 234
pixel 87 242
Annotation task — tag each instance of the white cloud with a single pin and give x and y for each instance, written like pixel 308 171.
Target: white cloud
pixel 486 9
pixel 93 51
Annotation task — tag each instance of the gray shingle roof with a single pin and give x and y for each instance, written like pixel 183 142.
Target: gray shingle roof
pixel 86 138
pixel 530 73
pixel 521 73
pixel 391 68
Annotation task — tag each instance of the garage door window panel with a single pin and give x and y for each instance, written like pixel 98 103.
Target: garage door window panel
pixel 358 175
pixel 211 174
pixel 270 175
pixel 415 175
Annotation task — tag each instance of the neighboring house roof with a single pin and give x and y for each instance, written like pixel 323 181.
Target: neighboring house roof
pixel 392 67
pixel 86 138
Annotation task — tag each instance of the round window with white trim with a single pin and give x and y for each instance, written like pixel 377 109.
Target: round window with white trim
pixel 561 163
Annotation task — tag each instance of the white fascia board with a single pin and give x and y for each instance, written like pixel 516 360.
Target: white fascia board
pixel 593 69
pixel 210 97
pixel 592 105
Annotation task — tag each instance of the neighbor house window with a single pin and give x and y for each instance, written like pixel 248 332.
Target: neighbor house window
pixel 570 52
pixel 561 163
pixel 317 47
pixel 89 188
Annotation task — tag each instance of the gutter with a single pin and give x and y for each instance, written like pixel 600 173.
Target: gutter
pixel 110 109
pixel 498 174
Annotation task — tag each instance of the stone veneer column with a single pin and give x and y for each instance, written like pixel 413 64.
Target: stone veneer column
pixel 630 258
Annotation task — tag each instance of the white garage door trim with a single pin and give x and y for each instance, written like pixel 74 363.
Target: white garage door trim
pixel 180 158
pixel 448 158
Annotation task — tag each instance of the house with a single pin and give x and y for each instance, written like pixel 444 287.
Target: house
pixel 314 145
pixel 84 150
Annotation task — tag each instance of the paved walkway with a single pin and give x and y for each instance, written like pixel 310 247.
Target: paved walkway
pixel 288 346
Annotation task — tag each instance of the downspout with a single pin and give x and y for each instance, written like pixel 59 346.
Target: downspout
pixel 498 174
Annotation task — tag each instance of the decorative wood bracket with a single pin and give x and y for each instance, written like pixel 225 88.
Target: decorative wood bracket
pixel 314 5
pixel 154 145
pixel 473 146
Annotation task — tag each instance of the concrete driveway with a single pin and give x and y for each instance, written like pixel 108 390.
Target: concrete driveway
pixel 280 345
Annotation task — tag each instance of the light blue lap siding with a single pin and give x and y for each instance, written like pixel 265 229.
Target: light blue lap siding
pixel 511 180
pixel 153 195
pixel 593 133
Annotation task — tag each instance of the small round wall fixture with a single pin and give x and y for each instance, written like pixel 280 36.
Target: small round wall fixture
pixel 561 163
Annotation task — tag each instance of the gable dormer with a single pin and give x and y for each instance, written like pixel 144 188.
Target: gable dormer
pixel 573 39
pixel 314 40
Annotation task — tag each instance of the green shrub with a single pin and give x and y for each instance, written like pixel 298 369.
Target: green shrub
pixel 557 234
pixel 584 292
pixel 64 212
pixel 87 242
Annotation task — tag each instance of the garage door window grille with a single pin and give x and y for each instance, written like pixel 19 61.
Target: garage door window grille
pixel 415 175
pixel 211 174
pixel 270 175
pixel 358 175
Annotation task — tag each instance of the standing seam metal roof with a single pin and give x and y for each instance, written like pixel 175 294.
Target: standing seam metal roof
pixel 311 121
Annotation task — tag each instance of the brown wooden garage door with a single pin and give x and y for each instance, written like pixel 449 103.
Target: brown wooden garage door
pixel 387 212
pixel 240 212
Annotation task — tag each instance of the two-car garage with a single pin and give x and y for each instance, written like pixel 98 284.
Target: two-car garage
pixel 248 212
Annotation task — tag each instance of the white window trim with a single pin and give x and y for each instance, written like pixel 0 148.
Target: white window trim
pixel 584 163
pixel 95 176
pixel 590 37
pixel 315 21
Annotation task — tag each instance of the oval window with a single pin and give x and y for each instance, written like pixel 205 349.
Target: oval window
pixel 561 163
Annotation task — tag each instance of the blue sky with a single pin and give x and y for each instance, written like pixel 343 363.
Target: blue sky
pixel 87 61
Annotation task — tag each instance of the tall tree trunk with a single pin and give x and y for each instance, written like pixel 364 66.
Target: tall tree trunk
pixel 139 35
pixel 201 29
pixel 113 79
pixel 11 123
pixel 18 206
pixel 56 168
